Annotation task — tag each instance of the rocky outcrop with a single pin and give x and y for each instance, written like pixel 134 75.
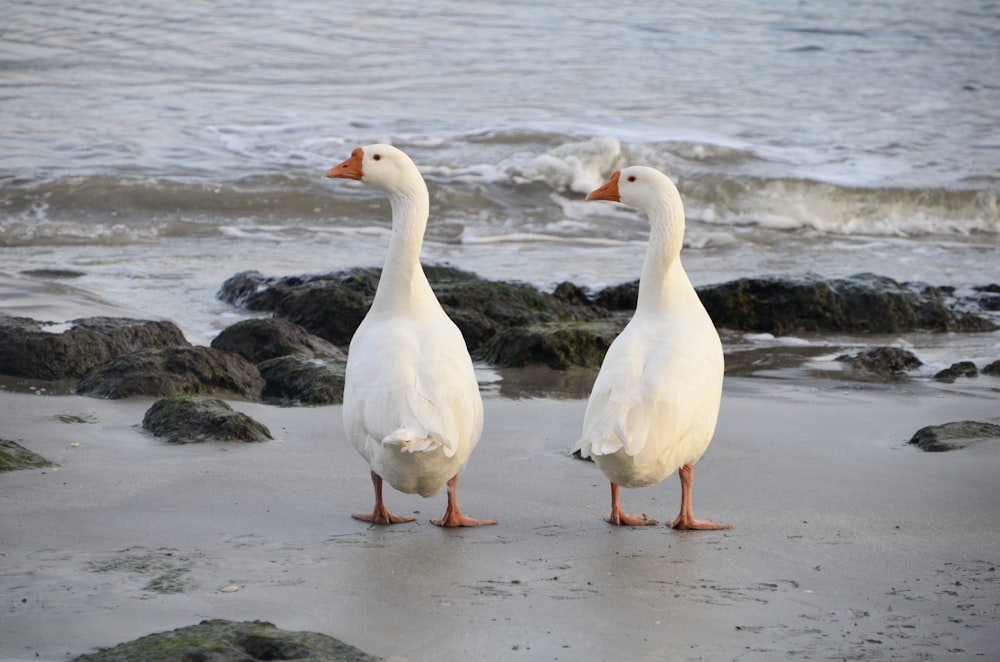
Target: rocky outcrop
pixel 175 371
pixel 258 340
pixel 956 370
pixel 865 303
pixel 555 345
pixel 952 436
pixel 187 420
pixel 882 364
pixel 298 367
pixel 230 641
pixel 293 380
pixel 44 350
pixel 512 325
pixel 332 306
pixel 505 324
pixel 14 456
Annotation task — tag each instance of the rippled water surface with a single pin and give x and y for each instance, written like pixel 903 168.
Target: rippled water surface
pixel 154 153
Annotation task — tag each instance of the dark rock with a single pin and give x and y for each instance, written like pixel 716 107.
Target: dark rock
pixel 28 350
pixel 619 297
pixel 956 370
pixel 990 302
pixel 332 306
pixel 258 340
pixel 952 436
pixel 992 369
pixel 556 345
pixel 297 380
pixel 864 303
pixel 188 420
pixel 514 324
pixel 571 294
pixel 230 641
pixel 989 298
pixel 14 456
pixel 883 364
pixel 175 371
pixel 482 308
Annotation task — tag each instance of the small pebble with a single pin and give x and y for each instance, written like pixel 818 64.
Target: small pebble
pixel 232 588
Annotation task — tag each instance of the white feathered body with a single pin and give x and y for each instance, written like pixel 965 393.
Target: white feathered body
pixel 412 407
pixel 655 403
pixel 656 400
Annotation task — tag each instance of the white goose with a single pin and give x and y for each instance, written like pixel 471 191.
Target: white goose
pixel 411 400
pixel 655 403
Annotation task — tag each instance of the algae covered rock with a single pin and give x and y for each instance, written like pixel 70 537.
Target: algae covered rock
pixel 557 346
pixel 882 364
pixel 864 303
pixel 332 305
pixel 231 641
pixel 45 350
pixel 187 420
pixel 259 340
pixel 298 380
pixel 175 371
pixel 14 456
pixel 956 370
pixel 952 436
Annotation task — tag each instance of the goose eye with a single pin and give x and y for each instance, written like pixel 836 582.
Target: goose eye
pixel 377 157
pixel 631 178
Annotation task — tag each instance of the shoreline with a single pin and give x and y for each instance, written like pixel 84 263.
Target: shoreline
pixel 846 543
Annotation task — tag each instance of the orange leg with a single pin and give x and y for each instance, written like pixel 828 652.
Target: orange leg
pixel 686 520
pixel 381 514
pixel 620 518
pixel 453 515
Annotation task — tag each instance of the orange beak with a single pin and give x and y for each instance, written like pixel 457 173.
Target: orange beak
pixel 351 168
pixel 609 191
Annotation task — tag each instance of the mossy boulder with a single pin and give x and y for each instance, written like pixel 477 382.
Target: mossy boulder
pixel 956 370
pixel 332 306
pixel 259 340
pixel 231 641
pixel 557 345
pixel 513 324
pixel 953 436
pixel 881 364
pixel 186 420
pixel 175 371
pixel 864 303
pixel 14 456
pixel 49 351
pixel 298 380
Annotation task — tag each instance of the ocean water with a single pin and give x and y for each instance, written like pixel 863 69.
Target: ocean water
pixel 148 154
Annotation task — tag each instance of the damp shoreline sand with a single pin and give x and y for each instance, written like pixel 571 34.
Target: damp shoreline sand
pixel 846 543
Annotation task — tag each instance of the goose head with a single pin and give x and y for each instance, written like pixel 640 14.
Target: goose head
pixel 638 186
pixel 383 166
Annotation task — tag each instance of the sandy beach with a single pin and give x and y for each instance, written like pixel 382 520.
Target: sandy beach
pixel 150 156
pixel 846 543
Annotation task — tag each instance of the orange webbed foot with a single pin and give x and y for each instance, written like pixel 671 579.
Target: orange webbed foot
pixel 382 516
pixel 453 520
pixel 690 524
pixel 621 519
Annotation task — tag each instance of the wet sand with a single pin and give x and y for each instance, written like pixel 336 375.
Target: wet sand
pixel 847 544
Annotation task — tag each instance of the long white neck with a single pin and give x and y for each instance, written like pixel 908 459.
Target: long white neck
pixel 403 284
pixel 664 282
